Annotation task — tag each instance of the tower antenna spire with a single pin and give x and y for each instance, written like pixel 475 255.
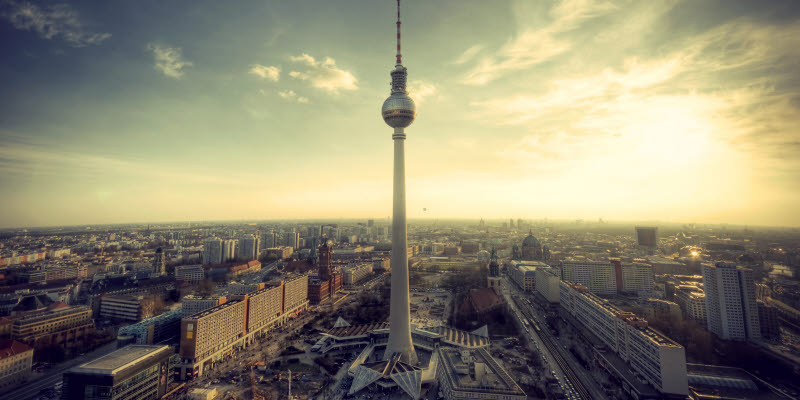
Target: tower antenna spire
pixel 399 56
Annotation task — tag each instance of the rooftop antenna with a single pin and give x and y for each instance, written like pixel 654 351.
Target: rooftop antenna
pixel 399 56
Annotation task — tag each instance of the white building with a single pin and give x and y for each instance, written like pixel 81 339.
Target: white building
pixel 228 250
pixel 249 248
pixel 547 282
pixel 651 355
pixel 189 273
pixel 355 273
pixel 598 276
pixel 693 304
pixel 731 308
pixel 212 251
pixel 637 278
pixel 191 304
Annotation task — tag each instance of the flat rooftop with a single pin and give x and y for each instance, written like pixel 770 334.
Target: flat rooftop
pixel 128 356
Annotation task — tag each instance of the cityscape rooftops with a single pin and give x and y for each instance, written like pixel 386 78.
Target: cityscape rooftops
pixel 10 348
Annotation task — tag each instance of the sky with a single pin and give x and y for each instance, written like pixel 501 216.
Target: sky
pixel 138 111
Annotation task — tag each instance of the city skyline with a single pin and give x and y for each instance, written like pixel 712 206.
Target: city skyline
pixel 673 111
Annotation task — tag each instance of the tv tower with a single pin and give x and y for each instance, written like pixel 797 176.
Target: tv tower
pixel 398 112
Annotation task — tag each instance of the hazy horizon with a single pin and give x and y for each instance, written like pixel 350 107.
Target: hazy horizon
pixel 577 109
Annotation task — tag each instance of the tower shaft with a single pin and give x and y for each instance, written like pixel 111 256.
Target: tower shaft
pixel 400 309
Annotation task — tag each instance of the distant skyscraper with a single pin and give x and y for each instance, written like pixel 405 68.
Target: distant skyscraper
pixel 272 239
pixel 293 240
pixel 399 112
pixel 647 236
pixel 212 251
pixel 511 223
pixel 159 262
pixel 731 308
pixel 370 223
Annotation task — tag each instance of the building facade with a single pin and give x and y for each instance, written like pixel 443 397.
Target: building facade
pixel 15 362
pixel 547 284
pixel 212 251
pixel 66 327
pixel 731 308
pixel 598 276
pixel 651 355
pixel 355 273
pixel 133 372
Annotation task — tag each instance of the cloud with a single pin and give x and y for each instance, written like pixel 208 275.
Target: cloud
pixel 292 96
pixel 51 21
pixel 468 54
pixel 169 60
pixel 420 91
pixel 267 72
pixel 323 74
pixel 533 45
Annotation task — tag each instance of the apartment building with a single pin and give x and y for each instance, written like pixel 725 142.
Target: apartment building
pixel 124 308
pixel 265 307
pixel 190 273
pixel 15 362
pixel 65 326
pixel 547 284
pixel 191 304
pixel 692 302
pixel 731 309
pixel 210 335
pixel 599 276
pixel 637 278
pixel 353 274
pixel 650 355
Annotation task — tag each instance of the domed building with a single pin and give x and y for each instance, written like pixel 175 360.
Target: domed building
pixel 532 248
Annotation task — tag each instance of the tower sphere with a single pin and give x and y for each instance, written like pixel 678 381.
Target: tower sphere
pixel 399 110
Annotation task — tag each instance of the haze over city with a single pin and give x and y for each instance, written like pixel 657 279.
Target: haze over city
pixel 589 200
pixel 189 111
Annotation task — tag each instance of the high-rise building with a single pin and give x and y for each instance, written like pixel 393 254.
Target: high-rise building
pixel 398 112
pixel 647 236
pixel 212 251
pixel 370 223
pixel 249 248
pixel 637 278
pixel 598 276
pixel 293 239
pixel 731 308
pixel 229 250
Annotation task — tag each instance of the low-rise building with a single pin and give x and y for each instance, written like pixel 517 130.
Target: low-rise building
pixel 161 328
pixel 65 326
pixel 124 308
pixel 133 372
pixel 474 374
pixel 15 362
pixel 354 273
pixel 190 273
